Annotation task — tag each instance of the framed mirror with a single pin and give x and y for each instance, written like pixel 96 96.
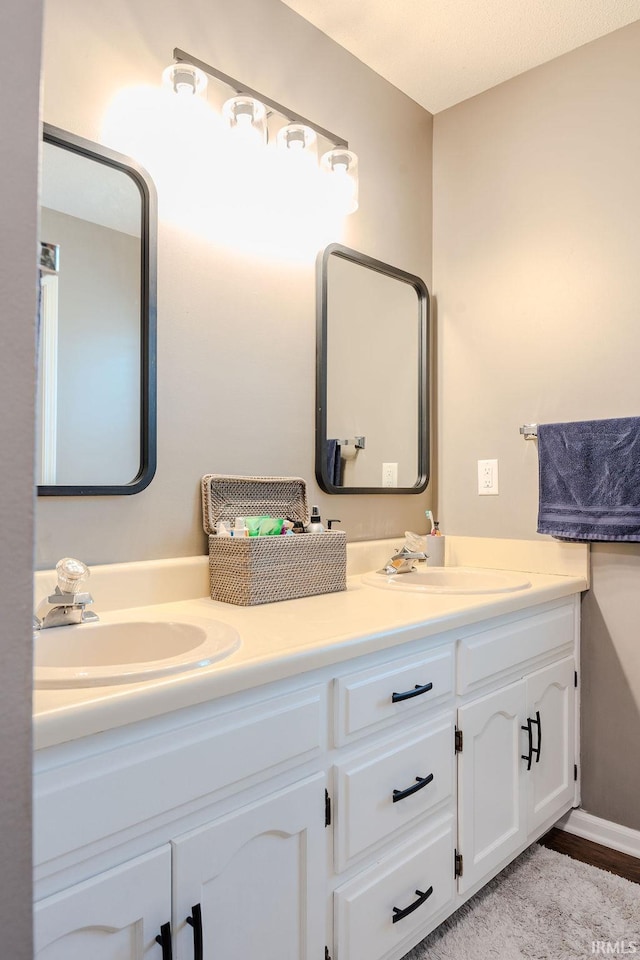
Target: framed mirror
pixel 372 389
pixel 97 321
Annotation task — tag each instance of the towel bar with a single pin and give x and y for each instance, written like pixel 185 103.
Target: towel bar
pixel 529 431
pixel 357 442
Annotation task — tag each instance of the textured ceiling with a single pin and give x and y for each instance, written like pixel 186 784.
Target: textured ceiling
pixel 440 52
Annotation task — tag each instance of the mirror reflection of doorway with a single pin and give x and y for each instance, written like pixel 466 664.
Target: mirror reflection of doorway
pixel 47 437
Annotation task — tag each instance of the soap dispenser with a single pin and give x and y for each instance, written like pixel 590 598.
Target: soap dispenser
pixel 315 525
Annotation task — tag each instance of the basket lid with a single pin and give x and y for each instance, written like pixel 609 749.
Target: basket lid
pixel 224 498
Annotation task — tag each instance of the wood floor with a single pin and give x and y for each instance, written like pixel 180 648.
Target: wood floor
pixel 594 853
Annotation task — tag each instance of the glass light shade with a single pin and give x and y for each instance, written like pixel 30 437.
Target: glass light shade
pixel 185 79
pixel 297 137
pixel 246 117
pixel 342 168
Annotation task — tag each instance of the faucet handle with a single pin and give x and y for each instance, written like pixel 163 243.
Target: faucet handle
pixel 71 574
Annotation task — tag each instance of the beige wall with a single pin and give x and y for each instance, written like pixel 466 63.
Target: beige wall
pixel 236 333
pixel 536 253
pixel 20 29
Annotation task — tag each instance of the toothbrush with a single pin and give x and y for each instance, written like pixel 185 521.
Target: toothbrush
pixel 429 517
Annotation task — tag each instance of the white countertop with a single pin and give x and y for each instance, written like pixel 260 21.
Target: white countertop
pixel 280 640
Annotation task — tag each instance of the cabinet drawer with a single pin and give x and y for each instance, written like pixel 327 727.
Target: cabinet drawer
pixel 367 785
pixel 489 654
pixel 365 908
pixel 80 803
pixel 392 691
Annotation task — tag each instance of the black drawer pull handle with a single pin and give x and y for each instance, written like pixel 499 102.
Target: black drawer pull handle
pixel 195 921
pixel 164 939
pixel 399 914
pixel 396 697
pixel 537 749
pixel 528 757
pixel 420 783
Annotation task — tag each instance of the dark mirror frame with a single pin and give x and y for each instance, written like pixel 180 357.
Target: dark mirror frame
pixel 422 294
pixel 148 305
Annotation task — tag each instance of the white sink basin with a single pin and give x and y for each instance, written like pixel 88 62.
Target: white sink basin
pixel 461 580
pixel 94 654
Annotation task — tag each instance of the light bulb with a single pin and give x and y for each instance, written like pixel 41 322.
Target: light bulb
pixel 184 79
pixel 341 167
pixel 297 137
pixel 247 118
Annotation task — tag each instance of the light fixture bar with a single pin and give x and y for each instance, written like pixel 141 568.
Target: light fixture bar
pixel 240 88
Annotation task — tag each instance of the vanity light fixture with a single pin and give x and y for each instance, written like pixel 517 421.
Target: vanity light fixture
pixel 248 113
pixel 247 118
pixel 185 79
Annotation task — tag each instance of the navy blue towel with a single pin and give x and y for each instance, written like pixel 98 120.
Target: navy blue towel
pixel 334 463
pixel 590 479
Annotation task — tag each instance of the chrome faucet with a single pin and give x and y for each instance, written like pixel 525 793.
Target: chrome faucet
pixel 403 561
pixel 67 604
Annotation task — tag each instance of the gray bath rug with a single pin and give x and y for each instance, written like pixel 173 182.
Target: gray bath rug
pixel 544 906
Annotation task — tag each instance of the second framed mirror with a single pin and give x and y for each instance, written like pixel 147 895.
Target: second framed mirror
pixel 372 389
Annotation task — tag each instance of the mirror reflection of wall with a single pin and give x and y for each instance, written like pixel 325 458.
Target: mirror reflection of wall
pixel 374 321
pixel 372 372
pixel 92 324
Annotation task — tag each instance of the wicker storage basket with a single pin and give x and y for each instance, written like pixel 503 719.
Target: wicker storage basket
pixel 252 570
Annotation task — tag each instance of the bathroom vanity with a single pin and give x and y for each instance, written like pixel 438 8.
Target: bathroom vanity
pixel 336 787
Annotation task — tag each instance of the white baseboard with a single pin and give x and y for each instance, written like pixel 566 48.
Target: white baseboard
pixel 601 831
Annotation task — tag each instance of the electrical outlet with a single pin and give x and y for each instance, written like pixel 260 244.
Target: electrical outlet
pixel 487 478
pixel 389 474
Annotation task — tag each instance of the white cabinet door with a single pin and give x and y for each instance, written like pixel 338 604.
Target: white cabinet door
pixel 113 916
pixel 257 880
pixel 492 800
pixel 551 712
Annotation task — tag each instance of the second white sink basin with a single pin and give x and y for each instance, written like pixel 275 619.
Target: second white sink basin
pixel 455 580
pixel 94 654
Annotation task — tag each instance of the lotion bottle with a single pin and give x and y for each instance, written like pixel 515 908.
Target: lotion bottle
pixel 315 524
